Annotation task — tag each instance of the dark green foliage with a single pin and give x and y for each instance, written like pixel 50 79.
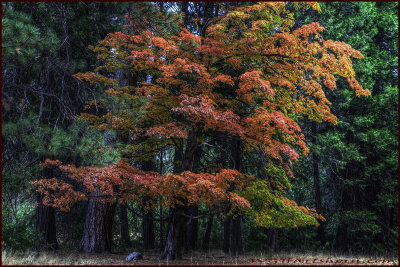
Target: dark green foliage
pixel 358 157
pixel 70 226
pixel 78 144
pixel 254 237
pixel 18 229
pixel 43 45
pixel 23 42
pixel 362 229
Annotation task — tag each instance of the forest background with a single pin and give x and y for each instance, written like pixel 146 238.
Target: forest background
pixel 350 175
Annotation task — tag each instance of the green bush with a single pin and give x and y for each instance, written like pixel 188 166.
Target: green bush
pixel 18 233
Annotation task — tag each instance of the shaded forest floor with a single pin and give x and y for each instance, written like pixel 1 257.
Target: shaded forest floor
pixel 63 257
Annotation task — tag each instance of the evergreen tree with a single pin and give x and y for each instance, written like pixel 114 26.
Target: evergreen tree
pixel 357 159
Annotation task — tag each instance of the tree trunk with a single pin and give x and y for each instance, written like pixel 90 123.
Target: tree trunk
pixel 161 228
pixel 272 239
pixel 235 151
pixel 236 238
pixel 237 244
pixel 46 226
pixel 207 234
pixel 192 226
pixel 190 151
pixel 173 242
pixel 123 219
pixel 46 220
pixel 185 10
pixel 125 77
pixel 192 229
pixel 97 234
pixel 178 158
pixel 161 208
pixel 227 234
pixel 317 187
pixel 177 225
pixel 147 223
pixel 169 248
pixel 148 228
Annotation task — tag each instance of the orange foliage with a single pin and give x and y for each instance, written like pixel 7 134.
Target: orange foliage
pixel 252 80
pixel 125 183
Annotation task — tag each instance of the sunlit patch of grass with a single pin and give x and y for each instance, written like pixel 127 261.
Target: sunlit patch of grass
pixel 30 258
pixel 49 258
pixel 318 258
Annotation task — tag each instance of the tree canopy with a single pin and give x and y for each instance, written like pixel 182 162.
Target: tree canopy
pixel 204 109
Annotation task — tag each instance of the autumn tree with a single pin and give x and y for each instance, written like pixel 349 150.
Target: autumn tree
pixel 250 76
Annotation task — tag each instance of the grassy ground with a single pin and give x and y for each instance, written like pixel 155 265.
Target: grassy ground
pixel 63 257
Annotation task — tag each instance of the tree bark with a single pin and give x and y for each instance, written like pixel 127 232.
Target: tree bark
pixel 46 221
pixel 236 153
pixel 237 243
pixel 148 227
pixel 177 225
pixel 207 233
pixel 161 228
pixel 125 77
pixel 97 234
pixel 185 10
pixel 161 208
pixel 191 147
pixel 192 225
pixel 227 234
pixel 147 223
pixel 124 225
pixel 272 239
pixel 192 229
pixel 178 158
pixel 46 226
pixel 173 242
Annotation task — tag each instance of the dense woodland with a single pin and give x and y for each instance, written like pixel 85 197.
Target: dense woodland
pixel 181 126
